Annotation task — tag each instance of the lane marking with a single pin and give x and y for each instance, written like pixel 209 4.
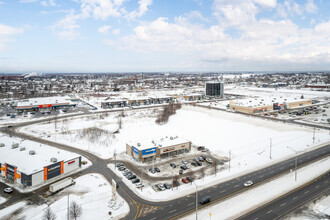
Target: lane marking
pixel 269 211
pixel 190 204
pixel 282 204
pixel 306 192
pixel 223 191
pixel 295 198
pixel 236 186
pixel 317 186
pixel 172 211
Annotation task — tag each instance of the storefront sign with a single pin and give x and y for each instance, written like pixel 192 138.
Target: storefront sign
pixel 71 162
pixel 135 150
pixel 149 151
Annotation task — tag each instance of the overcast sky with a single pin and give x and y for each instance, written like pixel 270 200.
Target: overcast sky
pixel 164 35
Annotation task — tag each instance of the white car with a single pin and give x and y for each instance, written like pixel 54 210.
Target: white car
pixel 161 187
pixel 8 190
pixel 139 185
pixel 209 160
pixel 248 183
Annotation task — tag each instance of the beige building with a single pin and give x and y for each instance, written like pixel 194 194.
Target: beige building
pixel 148 150
pixel 259 105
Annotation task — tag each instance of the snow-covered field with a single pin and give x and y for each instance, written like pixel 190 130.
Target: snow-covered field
pixel 243 202
pixel 92 192
pixel 2 200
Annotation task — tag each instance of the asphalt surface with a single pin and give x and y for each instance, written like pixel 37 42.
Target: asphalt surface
pixel 142 209
pixel 278 208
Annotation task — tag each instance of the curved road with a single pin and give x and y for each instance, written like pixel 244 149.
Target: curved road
pixel 142 209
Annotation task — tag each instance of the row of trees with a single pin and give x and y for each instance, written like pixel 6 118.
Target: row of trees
pixel 167 111
pixel 75 212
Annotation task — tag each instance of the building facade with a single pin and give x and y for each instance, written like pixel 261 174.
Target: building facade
pixel 214 89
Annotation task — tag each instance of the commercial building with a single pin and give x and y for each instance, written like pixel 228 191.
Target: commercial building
pixel 136 101
pixel 214 88
pixel 31 164
pixel 260 105
pixel 148 150
pixel 44 103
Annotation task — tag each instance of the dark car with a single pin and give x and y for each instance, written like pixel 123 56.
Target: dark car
pixel 180 172
pixel 189 179
pixel 152 170
pixel 131 177
pixel 172 165
pixel 202 156
pixel 196 159
pixel 199 163
pixel 135 180
pixel 128 173
pixel 118 164
pixel 167 185
pixel 121 168
pixel 205 199
pixel 194 163
pixel 183 167
pixel 157 169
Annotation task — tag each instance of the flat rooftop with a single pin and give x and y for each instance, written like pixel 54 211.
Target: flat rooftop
pixel 266 101
pixel 27 163
pixel 63 100
pixel 160 142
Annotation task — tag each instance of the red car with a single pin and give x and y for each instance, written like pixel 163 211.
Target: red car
pixel 184 180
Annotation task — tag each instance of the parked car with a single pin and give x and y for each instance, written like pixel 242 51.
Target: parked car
pixel 8 190
pixel 184 180
pixel 194 164
pixel 205 150
pixel 201 158
pixel 204 158
pixel 118 164
pixel 173 165
pixel 189 179
pixel 209 160
pixel 167 185
pixel 180 172
pixel 248 183
pixel 136 180
pixel 184 162
pixel 122 168
pixel 200 148
pixel 139 185
pixel 205 199
pixel 196 159
pixel 152 170
pixel 157 169
pixel 199 163
pixel 161 187
pixel 131 177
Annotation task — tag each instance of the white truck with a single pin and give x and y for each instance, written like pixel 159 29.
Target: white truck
pixel 55 187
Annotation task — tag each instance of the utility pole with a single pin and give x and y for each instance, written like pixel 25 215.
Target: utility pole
pixel 68 207
pixel 229 159
pixel 270 149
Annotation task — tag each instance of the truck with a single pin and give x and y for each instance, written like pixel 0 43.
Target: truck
pixel 55 187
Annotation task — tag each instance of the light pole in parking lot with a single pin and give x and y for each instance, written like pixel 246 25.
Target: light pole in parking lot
pixel 295 163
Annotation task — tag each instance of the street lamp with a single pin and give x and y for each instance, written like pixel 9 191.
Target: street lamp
pixel 196 197
pixel 295 169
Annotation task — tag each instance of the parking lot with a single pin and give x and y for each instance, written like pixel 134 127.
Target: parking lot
pixel 165 174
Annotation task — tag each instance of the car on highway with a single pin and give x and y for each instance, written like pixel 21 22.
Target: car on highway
pixel 248 183
pixel 8 190
pixel 161 186
pixel 184 180
pixel 205 199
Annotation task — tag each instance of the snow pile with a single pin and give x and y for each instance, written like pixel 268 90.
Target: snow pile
pixel 32 74
pixel 92 192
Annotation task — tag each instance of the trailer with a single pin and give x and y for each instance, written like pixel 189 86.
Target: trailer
pixel 55 187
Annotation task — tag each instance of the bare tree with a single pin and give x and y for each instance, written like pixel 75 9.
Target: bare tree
pixel 120 123
pixel 175 182
pixel 48 214
pixel 75 210
pixel 215 167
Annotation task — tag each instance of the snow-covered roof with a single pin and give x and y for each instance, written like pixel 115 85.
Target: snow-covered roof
pixel 27 163
pixel 159 142
pixel 266 101
pixel 58 100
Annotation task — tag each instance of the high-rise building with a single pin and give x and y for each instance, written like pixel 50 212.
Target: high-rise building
pixel 214 89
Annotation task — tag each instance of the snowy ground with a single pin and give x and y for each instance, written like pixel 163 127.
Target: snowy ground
pixel 243 202
pixel 92 192
pixel 214 129
pixel 319 209
pixel 2 200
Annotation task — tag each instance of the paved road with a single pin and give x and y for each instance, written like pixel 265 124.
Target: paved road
pixel 142 209
pixel 278 208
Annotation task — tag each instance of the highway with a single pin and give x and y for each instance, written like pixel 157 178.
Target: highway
pixel 142 209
